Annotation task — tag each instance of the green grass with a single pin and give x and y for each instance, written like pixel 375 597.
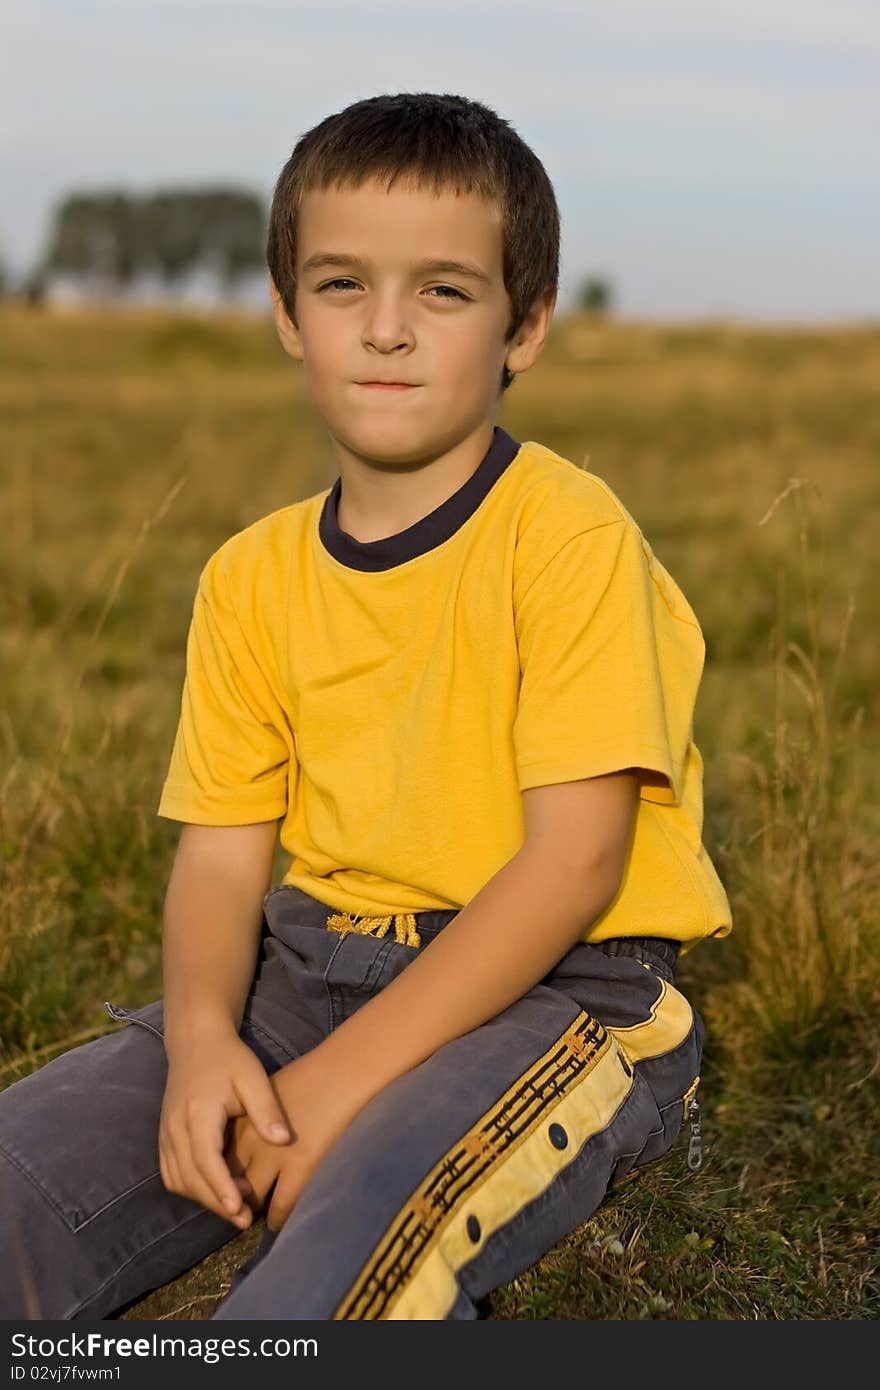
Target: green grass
pixel 134 444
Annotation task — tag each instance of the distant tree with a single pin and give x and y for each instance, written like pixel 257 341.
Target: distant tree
pixel 595 296
pixel 171 228
pixel 234 234
pixel 93 239
pixel 106 239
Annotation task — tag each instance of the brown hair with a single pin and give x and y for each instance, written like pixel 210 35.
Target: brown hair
pixel 444 141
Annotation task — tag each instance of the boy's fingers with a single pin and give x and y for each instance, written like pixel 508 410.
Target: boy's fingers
pixel 205 1195
pixel 185 1181
pixel 208 1160
pixel 250 1199
pixel 266 1114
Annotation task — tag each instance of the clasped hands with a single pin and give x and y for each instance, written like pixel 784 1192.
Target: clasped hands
pixel 317 1113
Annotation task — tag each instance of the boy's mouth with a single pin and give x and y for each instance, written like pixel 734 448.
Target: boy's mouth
pixel 387 385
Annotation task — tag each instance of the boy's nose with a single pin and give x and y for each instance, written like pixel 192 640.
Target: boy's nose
pixel 387 328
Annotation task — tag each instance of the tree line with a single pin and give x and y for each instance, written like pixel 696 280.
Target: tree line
pixel 106 240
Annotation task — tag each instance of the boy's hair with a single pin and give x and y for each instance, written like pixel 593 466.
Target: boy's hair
pixel 443 141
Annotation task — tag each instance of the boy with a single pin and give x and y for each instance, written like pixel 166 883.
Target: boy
pixel 466 686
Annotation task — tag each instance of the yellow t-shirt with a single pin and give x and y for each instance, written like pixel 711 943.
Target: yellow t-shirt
pixel 391 699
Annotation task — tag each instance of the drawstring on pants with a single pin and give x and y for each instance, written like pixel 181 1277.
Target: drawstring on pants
pixel 405 931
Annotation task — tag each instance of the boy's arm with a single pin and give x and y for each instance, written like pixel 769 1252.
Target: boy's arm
pixel 211 926
pixel 506 939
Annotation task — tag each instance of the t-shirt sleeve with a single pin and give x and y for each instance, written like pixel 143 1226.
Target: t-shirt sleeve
pixel 232 749
pixel 611 657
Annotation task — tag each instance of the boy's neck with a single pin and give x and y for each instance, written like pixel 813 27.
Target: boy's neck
pixel 380 500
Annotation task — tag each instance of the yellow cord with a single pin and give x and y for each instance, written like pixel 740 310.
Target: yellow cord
pixel 404 926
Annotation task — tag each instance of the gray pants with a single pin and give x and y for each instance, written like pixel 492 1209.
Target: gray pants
pixel 455 1178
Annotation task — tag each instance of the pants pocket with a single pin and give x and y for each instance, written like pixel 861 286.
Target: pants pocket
pixel 83 1129
pixel 271 1049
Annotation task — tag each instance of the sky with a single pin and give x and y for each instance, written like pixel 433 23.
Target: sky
pixel 710 160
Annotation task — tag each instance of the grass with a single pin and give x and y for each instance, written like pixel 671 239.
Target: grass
pixel 135 443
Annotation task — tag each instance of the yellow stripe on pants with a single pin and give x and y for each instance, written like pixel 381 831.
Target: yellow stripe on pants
pixel 501 1164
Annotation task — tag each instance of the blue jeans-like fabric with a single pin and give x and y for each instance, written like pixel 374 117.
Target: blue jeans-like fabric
pixel 451 1181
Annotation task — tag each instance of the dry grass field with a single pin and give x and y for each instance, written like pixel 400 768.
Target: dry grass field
pixel 133 444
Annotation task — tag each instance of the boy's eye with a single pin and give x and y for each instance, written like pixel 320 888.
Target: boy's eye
pixel 344 281
pixel 452 290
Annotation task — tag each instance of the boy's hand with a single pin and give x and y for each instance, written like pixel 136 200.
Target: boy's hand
pixel 213 1079
pixel 319 1112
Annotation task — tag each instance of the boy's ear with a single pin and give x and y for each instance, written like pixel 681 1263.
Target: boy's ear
pixel 529 340
pixel 287 329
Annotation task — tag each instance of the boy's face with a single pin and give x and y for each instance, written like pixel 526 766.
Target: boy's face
pixel 377 315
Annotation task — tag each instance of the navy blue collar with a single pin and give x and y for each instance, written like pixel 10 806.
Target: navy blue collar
pixel 424 535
